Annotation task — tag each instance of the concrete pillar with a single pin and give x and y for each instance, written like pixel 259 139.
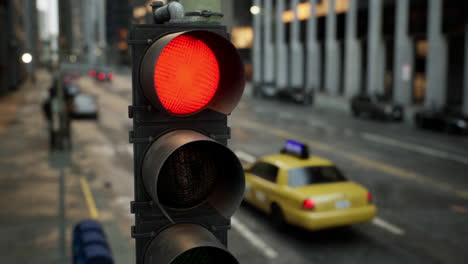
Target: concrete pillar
pixel 257 48
pixel 296 51
pixel 101 20
pixel 313 62
pixel 281 48
pixel 353 58
pixel 332 52
pixel 436 90
pixel 376 49
pixel 404 55
pixel 268 49
pixel 465 86
pixel 89 21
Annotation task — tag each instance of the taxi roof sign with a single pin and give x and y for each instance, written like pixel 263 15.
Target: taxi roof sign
pixel 296 149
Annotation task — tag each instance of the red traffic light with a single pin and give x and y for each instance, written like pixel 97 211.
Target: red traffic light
pixel 92 73
pixel 101 76
pixel 186 72
pixel 186 75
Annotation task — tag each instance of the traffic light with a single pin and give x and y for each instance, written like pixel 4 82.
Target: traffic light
pixel 186 80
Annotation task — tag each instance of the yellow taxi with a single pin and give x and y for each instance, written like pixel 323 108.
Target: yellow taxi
pixel 305 191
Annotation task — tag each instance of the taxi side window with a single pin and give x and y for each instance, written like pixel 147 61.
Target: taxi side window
pixel 265 171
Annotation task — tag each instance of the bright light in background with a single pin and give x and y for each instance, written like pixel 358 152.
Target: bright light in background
pixel 242 37
pixel 303 10
pixel 42 5
pixel 51 10
pixel 26 58
pixel 139 12
pixel 255 10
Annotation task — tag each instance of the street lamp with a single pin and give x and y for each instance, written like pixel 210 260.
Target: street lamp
pixel 26 58
pixel 255 10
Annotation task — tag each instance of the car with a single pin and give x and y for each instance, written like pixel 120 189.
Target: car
pixel 102 74
pixel 376 106
pixel 84 106
pixel 306 191
pixel 448 120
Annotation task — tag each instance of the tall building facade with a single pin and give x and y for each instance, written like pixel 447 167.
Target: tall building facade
pixel 413 51
pixel 18 35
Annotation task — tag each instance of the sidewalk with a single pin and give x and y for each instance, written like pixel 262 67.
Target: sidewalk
pixel 35 226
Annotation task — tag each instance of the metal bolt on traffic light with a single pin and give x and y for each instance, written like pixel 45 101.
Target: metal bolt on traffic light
pixel 187 78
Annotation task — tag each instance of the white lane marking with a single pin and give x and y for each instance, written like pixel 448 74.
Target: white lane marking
pixel 321 125
pixel 415 148
pixel 387 226
pixel 253 239
pixel 245 156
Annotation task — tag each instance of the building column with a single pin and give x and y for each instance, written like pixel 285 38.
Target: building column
pixel 257 48
pixel 89 25
pixel 268 50
pixel 101 20
pixel 332 52
pixel 404 55
pixel 436 90
pixel 281 48
pixel 376 49
pixel 296 52
pixel 465 85
pixel 313 62
pixel 353 59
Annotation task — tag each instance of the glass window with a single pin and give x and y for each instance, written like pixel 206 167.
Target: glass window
pixel 265 171
pixel 314 175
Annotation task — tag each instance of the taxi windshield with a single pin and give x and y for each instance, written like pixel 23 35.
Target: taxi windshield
pixel 314 175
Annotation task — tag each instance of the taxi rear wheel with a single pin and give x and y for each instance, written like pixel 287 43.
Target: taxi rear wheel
pixel 277 217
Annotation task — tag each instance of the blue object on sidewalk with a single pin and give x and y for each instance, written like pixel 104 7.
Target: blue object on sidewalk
pixel 97 254
pixel 90 245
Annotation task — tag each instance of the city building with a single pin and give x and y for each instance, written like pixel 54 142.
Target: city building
pixel 18 36
pixel 413 51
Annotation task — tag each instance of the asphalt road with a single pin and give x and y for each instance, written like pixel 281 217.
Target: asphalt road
pixel 419 180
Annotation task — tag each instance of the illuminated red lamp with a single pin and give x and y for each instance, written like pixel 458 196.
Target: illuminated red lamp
pixel 101 76
pixel 308 204
pixel 186 75
pixel 186 72
pixel 110 76
pixel 92 73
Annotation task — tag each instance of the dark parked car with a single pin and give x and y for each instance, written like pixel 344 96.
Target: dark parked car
pixel 376 107
pixel 448 120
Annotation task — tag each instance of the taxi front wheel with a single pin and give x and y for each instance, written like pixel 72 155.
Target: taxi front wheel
pixel 277 217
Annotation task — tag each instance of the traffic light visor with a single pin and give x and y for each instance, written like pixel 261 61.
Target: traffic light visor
pixel 186 72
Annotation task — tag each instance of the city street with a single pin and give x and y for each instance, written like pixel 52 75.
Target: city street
pixel 417 178
pixel 219 131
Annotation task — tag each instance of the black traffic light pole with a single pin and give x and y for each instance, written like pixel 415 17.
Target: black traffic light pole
pixel 188 184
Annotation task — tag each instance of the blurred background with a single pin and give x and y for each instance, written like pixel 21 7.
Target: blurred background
pixel 378 87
